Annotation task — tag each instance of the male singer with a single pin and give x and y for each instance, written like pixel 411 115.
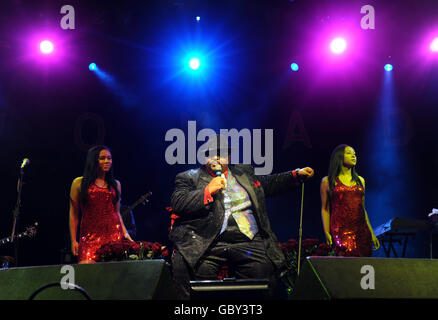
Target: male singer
pixel 223 220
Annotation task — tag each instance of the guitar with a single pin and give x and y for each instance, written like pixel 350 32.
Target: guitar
pixel 143 199
pixel 29 233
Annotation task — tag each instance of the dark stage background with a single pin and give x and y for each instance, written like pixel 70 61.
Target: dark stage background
pixel 51 111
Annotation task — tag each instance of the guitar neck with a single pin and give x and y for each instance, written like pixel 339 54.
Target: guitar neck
pixel 5 240
pixel 141 200
pixel 8 239
pixel 135 204
pixel 28 233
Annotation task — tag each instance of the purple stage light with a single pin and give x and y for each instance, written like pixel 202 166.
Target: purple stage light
pixel 46 47
pixel 338 45
pixel 428 49
pixel 434 45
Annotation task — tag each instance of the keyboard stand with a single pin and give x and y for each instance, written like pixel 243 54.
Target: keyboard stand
pixel 395 237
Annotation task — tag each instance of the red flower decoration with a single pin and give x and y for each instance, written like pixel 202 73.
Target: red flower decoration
pixel 156 247
pixel 309 243
pixel 121 250
pixel 323 249
pixel 291 244
pixel 257 183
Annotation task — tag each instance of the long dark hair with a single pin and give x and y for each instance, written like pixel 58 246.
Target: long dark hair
pixel 91 171
pixel 336 162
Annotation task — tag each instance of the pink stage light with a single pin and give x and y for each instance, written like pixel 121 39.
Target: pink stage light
pixel 434 45
pixel 46 47
pixel 338 45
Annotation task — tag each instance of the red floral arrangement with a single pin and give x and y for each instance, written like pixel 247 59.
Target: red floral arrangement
pixel 309 247
pixel 128 250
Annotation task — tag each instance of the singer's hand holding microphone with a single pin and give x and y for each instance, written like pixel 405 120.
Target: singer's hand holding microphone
pixel 215 185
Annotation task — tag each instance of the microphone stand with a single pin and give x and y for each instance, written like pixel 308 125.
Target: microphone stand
pixel 300 233
pixel 16 215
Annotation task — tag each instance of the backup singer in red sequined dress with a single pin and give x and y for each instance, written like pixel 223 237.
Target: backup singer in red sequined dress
pixel 344 217
pixel 97 196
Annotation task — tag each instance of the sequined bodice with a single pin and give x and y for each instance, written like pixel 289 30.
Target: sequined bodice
pixel 348 226
pixel 346 204
pixel 100 222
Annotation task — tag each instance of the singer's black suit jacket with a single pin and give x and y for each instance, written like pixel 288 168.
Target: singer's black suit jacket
pixel 200 224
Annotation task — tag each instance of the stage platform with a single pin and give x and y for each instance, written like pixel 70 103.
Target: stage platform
pixel 321 278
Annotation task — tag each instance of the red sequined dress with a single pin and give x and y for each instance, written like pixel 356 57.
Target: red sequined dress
pixel 350 233
pixel 100 222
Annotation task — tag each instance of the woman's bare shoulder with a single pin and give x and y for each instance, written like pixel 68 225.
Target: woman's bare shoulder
pixel 77 182
pixel 324 183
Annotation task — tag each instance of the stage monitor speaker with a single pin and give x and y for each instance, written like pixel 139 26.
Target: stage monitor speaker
pixel 126 280
pixel 230 289
pixel 366 278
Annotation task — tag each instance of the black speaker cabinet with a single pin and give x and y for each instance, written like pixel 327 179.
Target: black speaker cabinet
pixel 127 280
pixel 366 278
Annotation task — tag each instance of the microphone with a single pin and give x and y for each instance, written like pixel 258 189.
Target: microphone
pixel 24 163
pixel 219 173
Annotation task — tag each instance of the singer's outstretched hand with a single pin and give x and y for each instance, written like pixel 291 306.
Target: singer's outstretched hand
pixel 215 185
pixel 306 172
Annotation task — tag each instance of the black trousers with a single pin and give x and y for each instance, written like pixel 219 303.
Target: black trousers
pixel 247 259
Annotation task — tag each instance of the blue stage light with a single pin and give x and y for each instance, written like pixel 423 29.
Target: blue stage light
pixel 194 63
pixel 92 66
pixel 294 67
pixel 388 67
pixel 198 18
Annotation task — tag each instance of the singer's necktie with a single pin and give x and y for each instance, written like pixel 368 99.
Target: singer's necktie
pixel 238 204
pixel 246 224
